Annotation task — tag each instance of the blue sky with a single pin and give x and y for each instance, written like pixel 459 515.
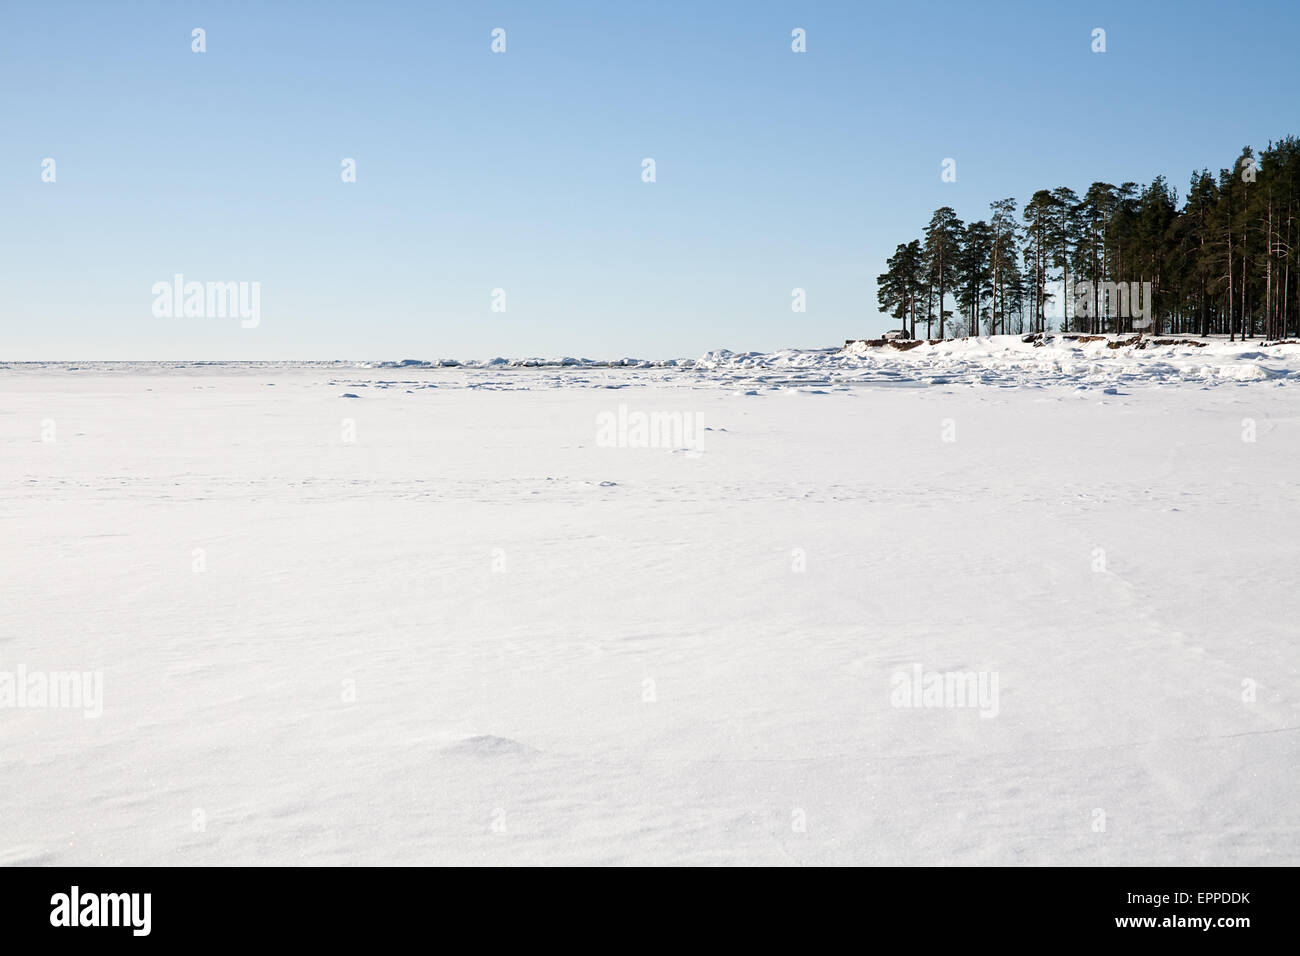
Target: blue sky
pixel 522 170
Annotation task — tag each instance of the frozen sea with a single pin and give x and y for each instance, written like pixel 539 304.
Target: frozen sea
pixel 716 611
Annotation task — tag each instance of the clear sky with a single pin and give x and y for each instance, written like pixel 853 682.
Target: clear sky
pixel 523 170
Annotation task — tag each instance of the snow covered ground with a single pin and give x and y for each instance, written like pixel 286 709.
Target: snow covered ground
pixel 661 613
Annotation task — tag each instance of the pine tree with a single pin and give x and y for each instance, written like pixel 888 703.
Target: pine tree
pixel 899 288
pixel 1004 272
pixel 942 249
pixel 914 276
pixel 1194 231
pixel 1123 230
pixel 1222 234
pixel 1038 216
pixel 1094 215
pixel 1064 230
pixel 1156 212
pixel 973 273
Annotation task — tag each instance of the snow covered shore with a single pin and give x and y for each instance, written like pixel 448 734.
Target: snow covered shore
pixel 447 622
pixel 1000 360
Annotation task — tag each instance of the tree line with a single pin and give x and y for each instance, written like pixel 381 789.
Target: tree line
pixel 1223 262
